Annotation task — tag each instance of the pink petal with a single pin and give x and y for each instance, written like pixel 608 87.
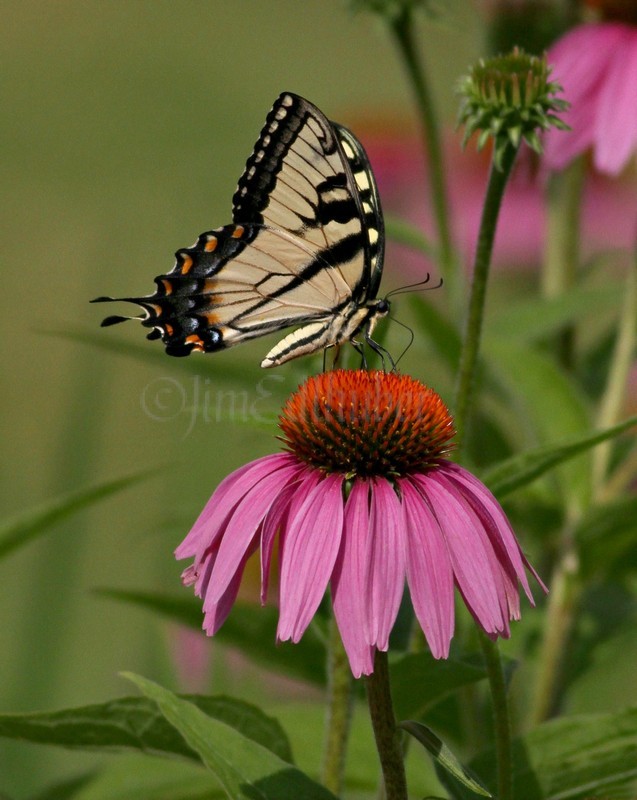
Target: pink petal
pixel 582 80
pixel 284 507
pixel 309 549
pixel 495 522
pixel 216 613
pixel 385 567
pixel 616 123
pixel 471 562
pixel 429 572
pixel 242 528
pixel 230 491
pixel 348 580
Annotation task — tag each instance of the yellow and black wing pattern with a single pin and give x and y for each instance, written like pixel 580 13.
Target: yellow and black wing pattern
pixel 305 249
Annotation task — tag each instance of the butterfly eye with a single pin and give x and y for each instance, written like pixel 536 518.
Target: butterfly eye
pixel 382 306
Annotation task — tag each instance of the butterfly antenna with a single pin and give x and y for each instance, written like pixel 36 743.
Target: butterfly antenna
pixel 412 287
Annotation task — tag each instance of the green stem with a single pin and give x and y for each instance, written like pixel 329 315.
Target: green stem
pixel 562 255
pixel 562 605
pixel 402 26
pixel 339 713
pixel 388 737
pixel 622 360
pixel 473 329
pixel 501 717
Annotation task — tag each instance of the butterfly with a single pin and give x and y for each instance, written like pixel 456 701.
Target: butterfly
pixel 305 248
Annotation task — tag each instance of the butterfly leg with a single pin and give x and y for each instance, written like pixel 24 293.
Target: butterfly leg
pixel 381 351
pixel 361 352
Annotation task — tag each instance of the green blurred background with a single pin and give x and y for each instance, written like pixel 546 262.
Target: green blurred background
pixel 125 127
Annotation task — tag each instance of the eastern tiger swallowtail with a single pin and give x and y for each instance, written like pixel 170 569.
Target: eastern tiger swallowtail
pixel 305 249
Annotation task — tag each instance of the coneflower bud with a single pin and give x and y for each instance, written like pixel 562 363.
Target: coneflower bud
pixel 510 99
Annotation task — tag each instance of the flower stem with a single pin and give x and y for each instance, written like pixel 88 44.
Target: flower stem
pixel 621 362
pixel 385 731
pixel 473 329
pixel 561 262
pixel 501 716
pixel 402 26
pixel 339 713
pixel 562 606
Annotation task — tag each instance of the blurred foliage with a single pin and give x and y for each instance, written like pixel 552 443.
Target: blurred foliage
pixel 126 127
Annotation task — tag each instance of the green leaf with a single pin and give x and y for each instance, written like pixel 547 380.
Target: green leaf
pixel 133 723
pixel 607 538
pixel 549 406
pixel 441 333
pixel 573 758
pixel 403 232
pixel 28 525
pixel 65 790
pixel 443 756
pixel 143 778
pixel 245 769
pixel 250 628
pixel 522 469
pixel 533 319
pixel 418 681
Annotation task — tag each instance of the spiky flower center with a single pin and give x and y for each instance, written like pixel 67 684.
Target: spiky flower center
pixel 509 99
pixel 366 423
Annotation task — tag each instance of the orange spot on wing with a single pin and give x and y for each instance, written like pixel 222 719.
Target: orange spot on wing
pixel 194 340
pixel 211 244
pixel 238 232
pixel 186 265
pixel 168 287
pixel 169 329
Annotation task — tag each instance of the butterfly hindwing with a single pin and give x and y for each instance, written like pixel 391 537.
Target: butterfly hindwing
pixel 305 248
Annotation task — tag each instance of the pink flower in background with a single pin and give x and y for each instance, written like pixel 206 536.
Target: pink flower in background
pixel 596 64
pixel 609 205
pixel 364 500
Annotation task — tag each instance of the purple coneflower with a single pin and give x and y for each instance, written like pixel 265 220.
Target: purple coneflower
pixel 596 64
pixel 363 500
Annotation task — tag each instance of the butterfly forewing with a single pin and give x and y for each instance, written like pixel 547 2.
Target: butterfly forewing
pixel 305 248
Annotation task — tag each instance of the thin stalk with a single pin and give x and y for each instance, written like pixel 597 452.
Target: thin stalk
pixel 562 605
pixel 562 254
pixel 339 713
pixel 473 329
pixel 386 734
pixel 621 363
pixel 402 26
pixel 501 717
pixel 464 395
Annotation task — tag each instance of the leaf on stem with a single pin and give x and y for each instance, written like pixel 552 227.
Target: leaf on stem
pixel 443 756
pixel 245 769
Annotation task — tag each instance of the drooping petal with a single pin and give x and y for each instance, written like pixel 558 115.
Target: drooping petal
pixel 496 524
pixel 615 127
pixel 385 563
pixel 243 525
pixel 429 572
pixel 472 563
pixel 309 549
pixel 215 614
pixel 284 507
pixel 226 496
pixel 348 580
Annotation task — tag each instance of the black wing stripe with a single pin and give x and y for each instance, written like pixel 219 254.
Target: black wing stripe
pixel 307 244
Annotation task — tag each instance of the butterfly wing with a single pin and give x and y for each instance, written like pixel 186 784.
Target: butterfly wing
pixel 305 246
pixel 312 177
